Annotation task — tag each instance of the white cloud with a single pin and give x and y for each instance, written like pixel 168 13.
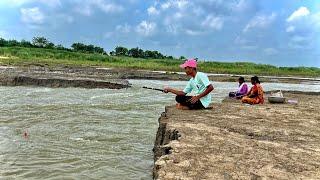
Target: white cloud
pixel 316 20
pixel 153 11
pixel 173 18
pixel 179 4
pixel 290 29
pixel 240 6
pixel 192 32
pixel 300 42
pixel 63 18
pixel 301 12
pixel 123 28
pixel 16 2
pixel 304 27
pixel 241 41
pixel 108 35
pixel 51 3
pixel 107 7
pixel 172 29
pixel 177 15
pixel 270 51
pixel 245 44
pixel 261 21
pixel 166 5
pixel 32 15
pixel 86 8
pixel 213 22
pixel 198 11
pixel 146 28
pixel 299 39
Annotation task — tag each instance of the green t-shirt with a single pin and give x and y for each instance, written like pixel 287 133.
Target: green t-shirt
pixel 198 85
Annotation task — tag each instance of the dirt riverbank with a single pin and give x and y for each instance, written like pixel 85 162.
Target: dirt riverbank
pixel 85 74
pixel 236 141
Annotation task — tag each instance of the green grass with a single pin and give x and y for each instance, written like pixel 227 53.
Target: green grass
pixel 20 56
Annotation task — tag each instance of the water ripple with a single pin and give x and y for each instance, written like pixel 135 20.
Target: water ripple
pixel 76 133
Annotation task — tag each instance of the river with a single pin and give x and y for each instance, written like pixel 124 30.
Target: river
pixel 75 133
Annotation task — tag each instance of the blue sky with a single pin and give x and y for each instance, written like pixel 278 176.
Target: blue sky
pixel 278 32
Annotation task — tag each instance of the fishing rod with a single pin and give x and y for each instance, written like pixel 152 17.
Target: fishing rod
pixel 156 89
pixel 145 87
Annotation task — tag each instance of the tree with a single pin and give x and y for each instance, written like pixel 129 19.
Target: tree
pixel 136 52
pixel 157 55
pixel 148 54
pixel 169 57
pixel 133 52
pixel 112 53
pixel 79 47
pixel 60 47
pixel 25 43
pixel 3 42
pixel 13 43
pixel 121 51
pixel 40 42
pixel 49 45
pixel 99 50
pixel 141 53
pixel 89 48
pixel 182 58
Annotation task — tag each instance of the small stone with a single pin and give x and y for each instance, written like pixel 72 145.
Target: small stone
pixel 185 163
pixel 176 161
pixel 169 176
pixel 160 162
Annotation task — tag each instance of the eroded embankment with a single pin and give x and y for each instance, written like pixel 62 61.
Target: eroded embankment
pixel 60 82
pixel 59 78
pixel 236 141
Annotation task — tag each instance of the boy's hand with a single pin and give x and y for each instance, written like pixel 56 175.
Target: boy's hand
pixel 166 89
pixel 194 99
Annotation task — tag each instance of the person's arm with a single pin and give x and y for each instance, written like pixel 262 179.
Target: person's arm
pixel 253 92
pixel 194 99
pixel 186 90
pixel 174 91
pixel 248 93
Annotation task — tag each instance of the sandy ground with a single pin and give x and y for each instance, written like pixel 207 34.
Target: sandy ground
pixel 236 141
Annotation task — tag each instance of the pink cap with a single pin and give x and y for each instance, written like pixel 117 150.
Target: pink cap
pixel 189 63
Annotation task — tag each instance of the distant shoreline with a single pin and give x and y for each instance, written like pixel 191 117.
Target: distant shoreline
pixel 113 78
pixel 52 58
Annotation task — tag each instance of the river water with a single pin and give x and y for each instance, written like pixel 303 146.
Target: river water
pixel 76 133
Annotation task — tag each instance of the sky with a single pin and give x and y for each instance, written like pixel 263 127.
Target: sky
pixel 277 32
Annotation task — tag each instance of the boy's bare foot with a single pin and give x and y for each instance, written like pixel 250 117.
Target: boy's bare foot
pixel 179 106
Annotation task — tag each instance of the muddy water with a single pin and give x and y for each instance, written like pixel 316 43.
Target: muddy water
pixel 78 133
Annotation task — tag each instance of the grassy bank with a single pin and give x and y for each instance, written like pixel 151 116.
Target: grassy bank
pixel 20 56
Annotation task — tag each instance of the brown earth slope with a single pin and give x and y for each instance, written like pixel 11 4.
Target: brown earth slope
pixel 236 141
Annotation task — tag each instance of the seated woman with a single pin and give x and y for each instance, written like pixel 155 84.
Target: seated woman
pixel 255 95
pixel 242 90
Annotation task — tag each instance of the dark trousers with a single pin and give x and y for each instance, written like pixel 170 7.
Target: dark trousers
pixel 185 101
pixel 235 95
